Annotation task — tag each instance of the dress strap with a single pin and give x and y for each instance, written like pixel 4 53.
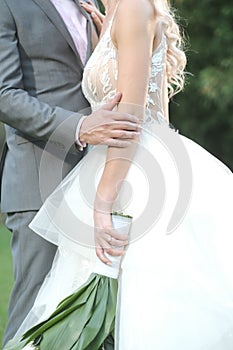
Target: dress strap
pixel 109 26
pixel 114 12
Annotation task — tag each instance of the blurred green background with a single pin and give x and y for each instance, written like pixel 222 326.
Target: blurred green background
pixel 202 112
pixel 6 275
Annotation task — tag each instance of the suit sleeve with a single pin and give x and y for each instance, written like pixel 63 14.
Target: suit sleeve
pixel 17 108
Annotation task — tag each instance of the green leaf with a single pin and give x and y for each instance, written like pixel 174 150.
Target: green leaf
pixel 117 213
pixel 65 334
pixel 95 323
pixel 14 344
pixel 82 321
pixel 109 321
pixel 64 309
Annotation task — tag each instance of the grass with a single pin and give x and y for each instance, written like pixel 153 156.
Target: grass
pixel 6 276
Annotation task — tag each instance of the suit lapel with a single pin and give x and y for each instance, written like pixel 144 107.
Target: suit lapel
pixel 51 12
pixel 92 36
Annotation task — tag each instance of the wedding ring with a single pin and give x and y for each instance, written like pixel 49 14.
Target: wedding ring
pixel 110 239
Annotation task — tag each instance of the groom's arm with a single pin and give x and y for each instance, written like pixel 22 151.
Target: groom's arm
pixel 17 108
pixel 39 120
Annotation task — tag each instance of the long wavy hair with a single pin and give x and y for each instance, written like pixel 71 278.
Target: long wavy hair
pixel 176 58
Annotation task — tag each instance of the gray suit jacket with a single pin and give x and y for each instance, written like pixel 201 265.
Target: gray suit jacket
pixel 40 99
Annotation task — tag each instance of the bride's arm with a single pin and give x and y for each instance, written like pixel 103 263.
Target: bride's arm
pixel 133 35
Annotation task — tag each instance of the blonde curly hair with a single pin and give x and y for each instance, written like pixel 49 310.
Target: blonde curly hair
pixel 176 58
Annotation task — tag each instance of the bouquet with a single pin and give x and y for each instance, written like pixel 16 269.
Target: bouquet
pixel 84 320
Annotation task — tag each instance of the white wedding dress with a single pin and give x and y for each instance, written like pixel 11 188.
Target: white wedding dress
pixel 176 278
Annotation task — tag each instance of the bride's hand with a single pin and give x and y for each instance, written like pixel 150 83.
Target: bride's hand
pixel 96 15
pixel 107 239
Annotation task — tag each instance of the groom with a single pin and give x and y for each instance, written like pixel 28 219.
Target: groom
pixel 44 45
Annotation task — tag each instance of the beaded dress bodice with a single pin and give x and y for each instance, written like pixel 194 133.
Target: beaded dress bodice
pixel 100 78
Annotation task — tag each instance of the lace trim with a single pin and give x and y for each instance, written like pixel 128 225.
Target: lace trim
pixel 101 72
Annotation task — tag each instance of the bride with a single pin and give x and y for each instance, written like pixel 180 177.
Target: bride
pixel 176 281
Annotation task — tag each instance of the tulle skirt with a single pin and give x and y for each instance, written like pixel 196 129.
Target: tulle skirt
pixel 176 278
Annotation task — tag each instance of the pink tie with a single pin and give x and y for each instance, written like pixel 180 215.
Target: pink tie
pixel 75 23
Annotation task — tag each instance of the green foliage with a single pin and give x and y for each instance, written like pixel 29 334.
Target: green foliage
pixel 101 6
pixel 203 111
pixel 82 321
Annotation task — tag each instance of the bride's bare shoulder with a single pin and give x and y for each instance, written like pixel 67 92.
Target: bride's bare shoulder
pixel 134 16
pixel 137 9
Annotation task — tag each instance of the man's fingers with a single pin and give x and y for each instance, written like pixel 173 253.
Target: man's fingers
pixel 110 105
pixel 119 117
pixel 124 134
pixel 114 129
pixel 117 143
pixel 125 117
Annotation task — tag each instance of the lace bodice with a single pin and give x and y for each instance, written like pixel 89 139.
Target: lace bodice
pixel 100 78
